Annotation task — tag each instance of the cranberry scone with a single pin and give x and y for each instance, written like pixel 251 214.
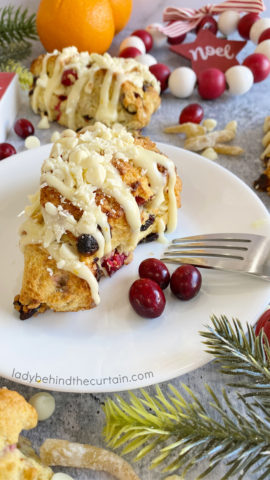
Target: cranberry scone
pixel 77 89
pixel 103 191
pixel 18 461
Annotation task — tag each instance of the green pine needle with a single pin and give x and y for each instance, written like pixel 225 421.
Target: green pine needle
pixel 187 433
pixel 16 25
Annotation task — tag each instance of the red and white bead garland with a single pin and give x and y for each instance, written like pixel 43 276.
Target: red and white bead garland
pixel 211 82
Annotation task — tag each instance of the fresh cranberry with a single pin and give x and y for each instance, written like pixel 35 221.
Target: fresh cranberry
pixel 24 128
pixel 245 23
pixel 259 65
pixel 211 83
pixel 264 323
pixel 265 35
pixel 191 113
pixel 130 52
pixel 155 270
pixel 147 298
pixel 162 73
pixel 140 200
pixel 208 23
pixel 69 77
pixel 146 37
pixel 176 40
pixel 114 262
pixel 186 282
pixel 6 150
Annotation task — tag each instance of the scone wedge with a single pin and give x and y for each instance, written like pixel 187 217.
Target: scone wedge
pixel 102 191
pixel 76 89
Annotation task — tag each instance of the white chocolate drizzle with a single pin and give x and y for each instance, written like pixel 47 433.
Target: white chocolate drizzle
pixel 78 165
pixel 118 71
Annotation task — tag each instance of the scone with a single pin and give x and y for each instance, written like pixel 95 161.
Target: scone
pixel 15 463
pixel 102 192
pixel 77 89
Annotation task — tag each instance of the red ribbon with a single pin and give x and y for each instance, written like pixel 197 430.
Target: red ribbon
pixel 182 20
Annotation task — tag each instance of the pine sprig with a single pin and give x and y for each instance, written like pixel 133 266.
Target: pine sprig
pixel 185 432
pixel 16 25
pixel 187 435
pixel 240 354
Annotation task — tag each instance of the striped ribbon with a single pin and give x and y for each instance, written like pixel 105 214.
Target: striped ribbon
pixel 182 20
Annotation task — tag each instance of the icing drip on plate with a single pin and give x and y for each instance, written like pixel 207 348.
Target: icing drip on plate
pixel 78 165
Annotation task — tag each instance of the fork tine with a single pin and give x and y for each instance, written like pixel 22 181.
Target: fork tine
pixel 232 237
pixel 207 262
pixel 202 253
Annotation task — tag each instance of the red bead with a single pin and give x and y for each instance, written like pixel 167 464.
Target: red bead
pixel 208 23
pixel 245 23
pixel 191 113
pixel 265 35
pixel 259 65
pixel 186 282
pixel 130 52
pixel 147 298
pixel 264 323
pixel 176 40
pixel 69 77
pixel 6 150
pixel 211 83
pixel 162 73
pixel 146 37
pixel 24 128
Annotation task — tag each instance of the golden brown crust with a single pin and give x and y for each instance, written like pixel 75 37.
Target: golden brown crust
pixel 15 466
pixel 135 108
pixel 16 414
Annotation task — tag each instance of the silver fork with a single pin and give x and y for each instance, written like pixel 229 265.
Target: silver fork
pixel 235 252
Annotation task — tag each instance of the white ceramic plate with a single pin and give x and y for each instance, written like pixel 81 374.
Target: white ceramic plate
pixel 110 348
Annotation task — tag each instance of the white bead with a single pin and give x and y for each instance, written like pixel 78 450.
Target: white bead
pixel 146 59
pixel 228 21
pixel 159 39
pixel 264 47
pixel 61 476
pixel 32 142
pixel 132 42
pixel 44 403
pixel 257 28
pixel 182 82
pixel 240 79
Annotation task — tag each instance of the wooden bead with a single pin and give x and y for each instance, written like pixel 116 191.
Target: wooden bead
pixel 240 79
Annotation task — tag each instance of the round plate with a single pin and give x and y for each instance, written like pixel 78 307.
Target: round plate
pixel 110 348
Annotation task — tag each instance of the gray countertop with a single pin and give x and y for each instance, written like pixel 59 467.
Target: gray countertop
pixel 79 417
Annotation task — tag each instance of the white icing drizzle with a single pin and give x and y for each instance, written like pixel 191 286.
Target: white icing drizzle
pixel 78 165
pixel 118 70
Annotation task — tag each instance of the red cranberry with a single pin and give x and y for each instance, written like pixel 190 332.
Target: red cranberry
pixel 69 77
pixel 147 298
pixel 24 128
pixel 6 150
pixel 211 83
pixel 265 35
pixel 186 282
pixel 155 270
pixel 245 23
pixel 259 65
pixel 208 23
pixel 130 52
pixel 114 262
pixel 162 73
pixel 191 113
pixel 146 37
pixel 264 323
pixel 176 40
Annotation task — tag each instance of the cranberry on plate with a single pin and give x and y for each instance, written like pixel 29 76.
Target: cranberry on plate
pixel 191 113
pixel 24 128
pixel 147 298
pixel 155 270
pixel 186 282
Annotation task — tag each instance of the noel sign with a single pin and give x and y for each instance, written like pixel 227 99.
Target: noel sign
pixel 209 51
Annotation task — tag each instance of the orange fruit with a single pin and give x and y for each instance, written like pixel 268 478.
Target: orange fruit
pixel 121 13
pixel 89 25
